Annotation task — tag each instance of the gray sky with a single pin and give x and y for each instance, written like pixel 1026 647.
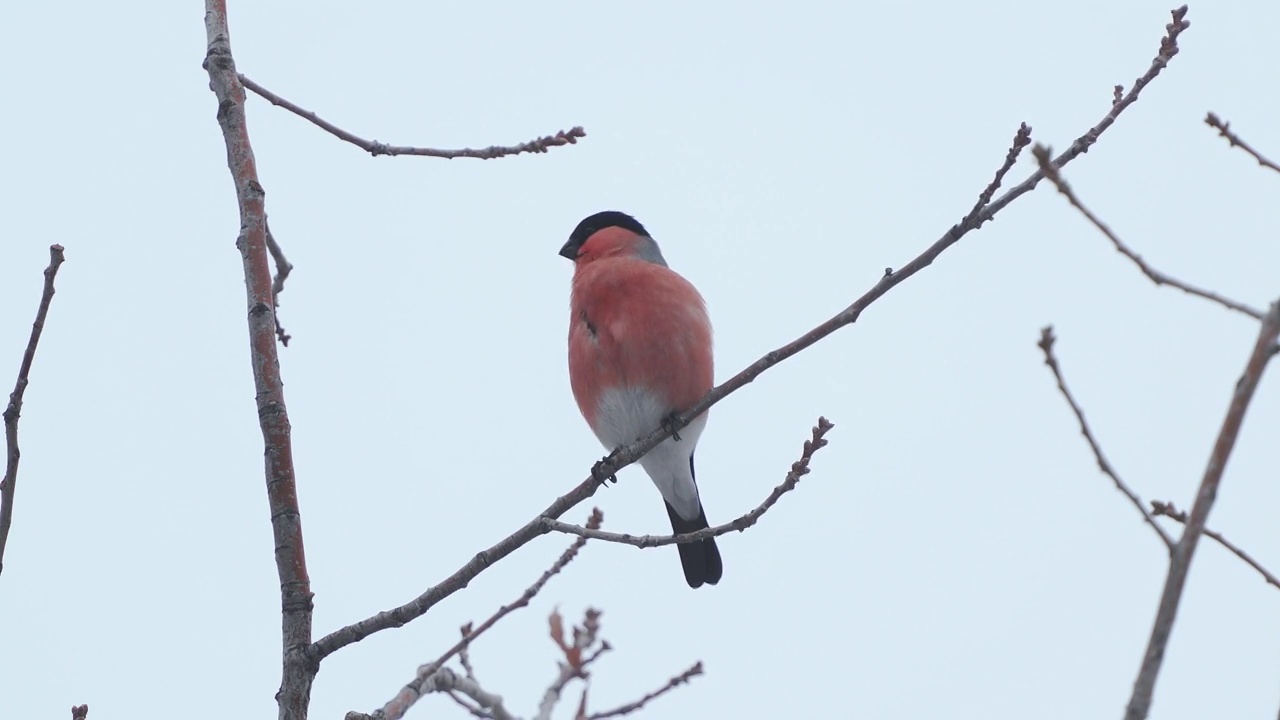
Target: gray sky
pixel 955 551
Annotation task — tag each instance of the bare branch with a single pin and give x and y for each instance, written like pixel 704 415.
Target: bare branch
pixel 1175 581
pixel 9 485
pixel 448 681
pixel 475 710
pixel 412 692
pixel 1021 139
pixel 799 469
pixel 464 654
pixel 1041 154
pixel 1081 145
pixel 375 148
pixel 283 268
pixel 273 417
pixel 1224 129
pixel 628 454
pixel 672 684
pixel 578 656
pixel 1166 509
pixel 1046 344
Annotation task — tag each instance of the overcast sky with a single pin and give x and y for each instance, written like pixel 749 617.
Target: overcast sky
pixel 955 551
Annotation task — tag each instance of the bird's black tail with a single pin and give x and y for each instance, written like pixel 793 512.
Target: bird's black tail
pixel 701 560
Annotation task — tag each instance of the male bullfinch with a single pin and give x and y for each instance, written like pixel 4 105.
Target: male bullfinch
pixel 640 351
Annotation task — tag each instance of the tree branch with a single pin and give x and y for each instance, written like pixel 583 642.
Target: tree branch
pixel 283 268
pixel 1041 154
pixel 628 454
pixel 419 686
pixel 9 485
pixel 578 656
pixel 799 469
pixel 375 148
pixel 1047 340
pixel 1119 102
pixel 631 707
pixel 1224 129
pixel 282 492
pixel 1175 581
pixel 1166 509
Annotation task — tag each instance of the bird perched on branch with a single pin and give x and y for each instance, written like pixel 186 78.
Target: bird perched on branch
pixel 640 352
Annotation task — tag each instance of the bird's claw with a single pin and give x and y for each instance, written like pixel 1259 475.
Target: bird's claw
pixel 597 470
pixel 669 424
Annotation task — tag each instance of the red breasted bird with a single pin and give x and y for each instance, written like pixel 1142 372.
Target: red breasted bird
pixel 640 351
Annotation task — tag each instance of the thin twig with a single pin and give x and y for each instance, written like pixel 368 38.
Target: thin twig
pixel 447 681
pixel 1175 581
pixel 631 707
pixel 468 705
pixel 1021 139
pixel 375 148
pixel 1041 154
pixel 417 607
pixel 799 469
pixel 9 485
pixel 283 268
pixel 578 656
pixel 1081 145
pixel 1166 509
pixel 1224 129
pixel 273 417
pixel 464 654
pixel 415 689
pixel 1046 344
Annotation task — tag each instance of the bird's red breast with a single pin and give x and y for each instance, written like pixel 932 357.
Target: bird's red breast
pixel 636 324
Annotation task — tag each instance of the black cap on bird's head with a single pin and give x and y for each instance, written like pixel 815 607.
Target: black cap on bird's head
pixel 595 223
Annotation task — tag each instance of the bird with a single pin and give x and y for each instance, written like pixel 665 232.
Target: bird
pixel 639 353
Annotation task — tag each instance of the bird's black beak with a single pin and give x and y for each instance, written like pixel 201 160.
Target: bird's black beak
pixel 570 250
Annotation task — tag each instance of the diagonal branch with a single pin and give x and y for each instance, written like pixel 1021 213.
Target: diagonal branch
pixel 1175 581
pixel 1046 344
pixel 1119 102
pixel 412 692
pixel 1166 509
pixel 629 454
pixel 1041 154
pixel 1224 129
pixel 273 417
pixel 799 469
pixel 375 148
pixel 672 684
pixel 9 485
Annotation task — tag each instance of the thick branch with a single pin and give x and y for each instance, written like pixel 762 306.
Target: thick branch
pixel 375 148
pixel 1042 155
pixel 9 485
pixel 1175 581
pixel 273 417
pixel 799 469
pixel 1167 509
pixel 628 454
pixel 1046 345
